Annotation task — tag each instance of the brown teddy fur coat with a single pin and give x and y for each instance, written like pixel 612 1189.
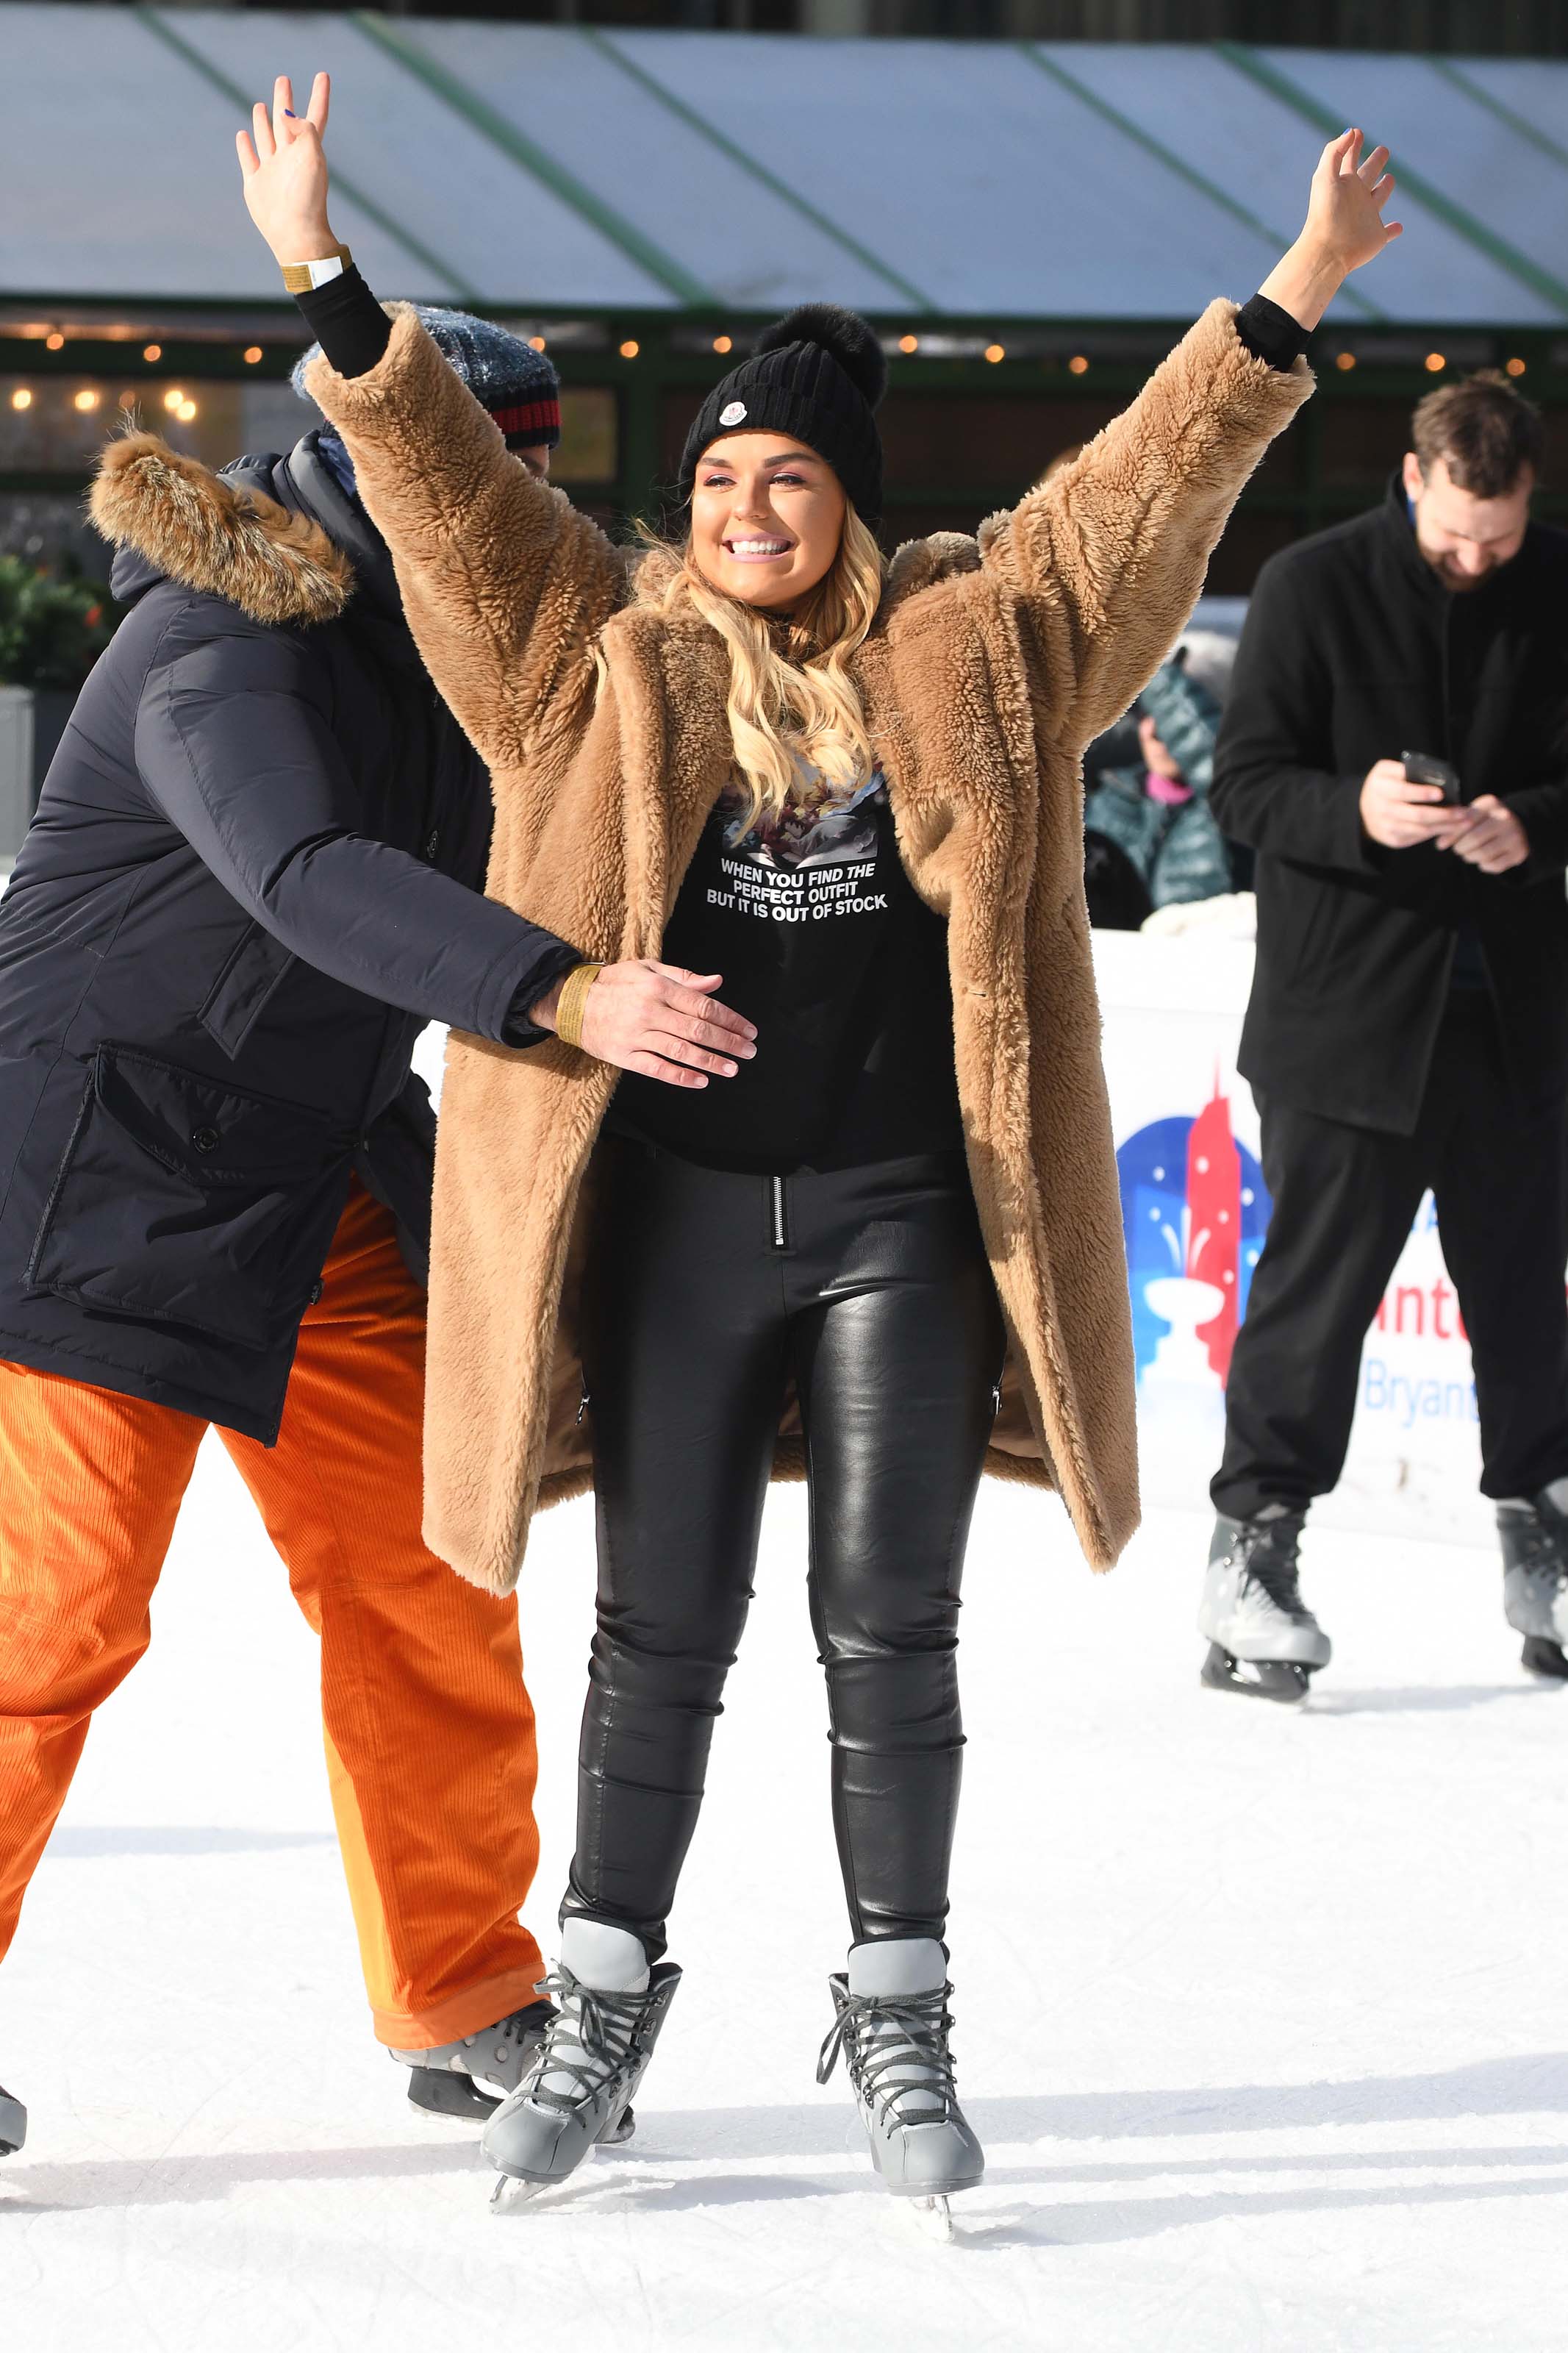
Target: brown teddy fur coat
pixel 991 665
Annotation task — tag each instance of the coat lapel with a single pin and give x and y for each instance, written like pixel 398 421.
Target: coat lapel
pixel 669 682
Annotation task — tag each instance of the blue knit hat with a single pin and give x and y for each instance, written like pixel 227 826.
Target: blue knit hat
pixel 518 385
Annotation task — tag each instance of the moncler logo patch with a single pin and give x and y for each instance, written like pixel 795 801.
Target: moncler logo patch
pixel 733 412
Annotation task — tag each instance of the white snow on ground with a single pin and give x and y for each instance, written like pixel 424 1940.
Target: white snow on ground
pixel 1262 2016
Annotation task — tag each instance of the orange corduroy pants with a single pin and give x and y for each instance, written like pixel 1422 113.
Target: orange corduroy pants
pixel 429 1731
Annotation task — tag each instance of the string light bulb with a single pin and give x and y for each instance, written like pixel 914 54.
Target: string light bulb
pixel 55 343
pixel 86 400
pixel 1435 363
pixel 1078 364
pixel 1515 366
pixel 629 349
pixel 187 409
pixel 173 400
pixel 1344 362
pixel 724 343
pixel 908 343
pixel 536 342
pixel 252 355
pixel 153 351
pixel 994 352
pixel 21 398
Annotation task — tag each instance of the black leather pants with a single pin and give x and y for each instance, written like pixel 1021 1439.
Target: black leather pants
pixel 870 1286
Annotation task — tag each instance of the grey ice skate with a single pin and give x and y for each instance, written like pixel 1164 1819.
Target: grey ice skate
pixel 579 2088
pixel 1534 1537
pixel 447 2080
pixel 13 2124
pixel 1263 1639
pixel 891 2024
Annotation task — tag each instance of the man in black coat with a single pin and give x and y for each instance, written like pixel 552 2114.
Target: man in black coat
pixel 254 876
pixel 1408 1024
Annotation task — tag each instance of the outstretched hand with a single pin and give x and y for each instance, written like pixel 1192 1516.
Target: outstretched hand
pixel 659 1020
pixel 1344 209
pixel 1345 228
pixel 284 165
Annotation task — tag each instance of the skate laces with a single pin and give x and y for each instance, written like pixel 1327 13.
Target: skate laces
pixel 518 2025
pixel 1275 1573
pixel 883 2036
pixel 601 2026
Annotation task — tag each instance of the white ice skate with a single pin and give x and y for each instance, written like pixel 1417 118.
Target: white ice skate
pixel 891 2024
pixel 579 2087
pixel 13 2124
pixel 1534 1535
pixel 1263 1639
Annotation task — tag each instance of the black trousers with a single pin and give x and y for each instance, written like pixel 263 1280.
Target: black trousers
pixel 1343 1201
pixel 708 1292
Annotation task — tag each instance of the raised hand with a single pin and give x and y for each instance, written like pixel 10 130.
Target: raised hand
pixel 284 166
pixel 1344 210
pixel 1345 228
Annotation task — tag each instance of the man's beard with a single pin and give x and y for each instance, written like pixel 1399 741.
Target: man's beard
pixel 1461 583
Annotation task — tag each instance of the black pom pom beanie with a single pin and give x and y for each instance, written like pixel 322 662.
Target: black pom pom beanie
pixel 818 372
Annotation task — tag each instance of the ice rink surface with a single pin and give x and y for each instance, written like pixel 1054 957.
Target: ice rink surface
pixel 1263 2016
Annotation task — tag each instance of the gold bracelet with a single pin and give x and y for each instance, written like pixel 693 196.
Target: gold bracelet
pixel 304 276
pixel 574 1002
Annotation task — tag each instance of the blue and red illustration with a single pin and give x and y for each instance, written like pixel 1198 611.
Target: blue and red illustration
pixel 1194 1210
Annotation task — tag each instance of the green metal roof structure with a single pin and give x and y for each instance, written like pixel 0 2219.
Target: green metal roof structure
pixel 564 169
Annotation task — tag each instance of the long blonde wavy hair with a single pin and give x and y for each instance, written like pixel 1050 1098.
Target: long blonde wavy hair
pixel 792 699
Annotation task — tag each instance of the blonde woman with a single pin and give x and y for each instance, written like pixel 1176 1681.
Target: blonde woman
pixel 860 1221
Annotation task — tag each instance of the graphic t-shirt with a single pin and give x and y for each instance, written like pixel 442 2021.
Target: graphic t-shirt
pixel 823 944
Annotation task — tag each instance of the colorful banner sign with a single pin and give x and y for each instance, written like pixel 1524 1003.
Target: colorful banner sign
pixel 1196 1210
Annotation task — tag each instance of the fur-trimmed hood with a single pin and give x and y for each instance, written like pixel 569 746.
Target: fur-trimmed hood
pixel 222 535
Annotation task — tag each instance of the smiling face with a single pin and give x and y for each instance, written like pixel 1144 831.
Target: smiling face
pixel 1462 537
pixel 767 515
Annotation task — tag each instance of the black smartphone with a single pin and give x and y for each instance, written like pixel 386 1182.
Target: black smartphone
pixel 1423 769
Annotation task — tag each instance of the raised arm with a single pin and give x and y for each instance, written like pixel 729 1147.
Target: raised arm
pixel 504 584
pixel 1109 554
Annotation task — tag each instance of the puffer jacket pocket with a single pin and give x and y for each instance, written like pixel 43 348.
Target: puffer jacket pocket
pixel 240 994
pixel 181 1200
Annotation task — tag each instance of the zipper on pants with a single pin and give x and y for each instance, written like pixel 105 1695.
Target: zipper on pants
pixel 776 1206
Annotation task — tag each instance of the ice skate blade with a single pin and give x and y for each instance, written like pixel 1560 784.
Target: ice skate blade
pixel 514 2190
pixel 1281 1680
pixel 1544 1658
pixel 510 2193
pixel 447 2092
pixel 932 2219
